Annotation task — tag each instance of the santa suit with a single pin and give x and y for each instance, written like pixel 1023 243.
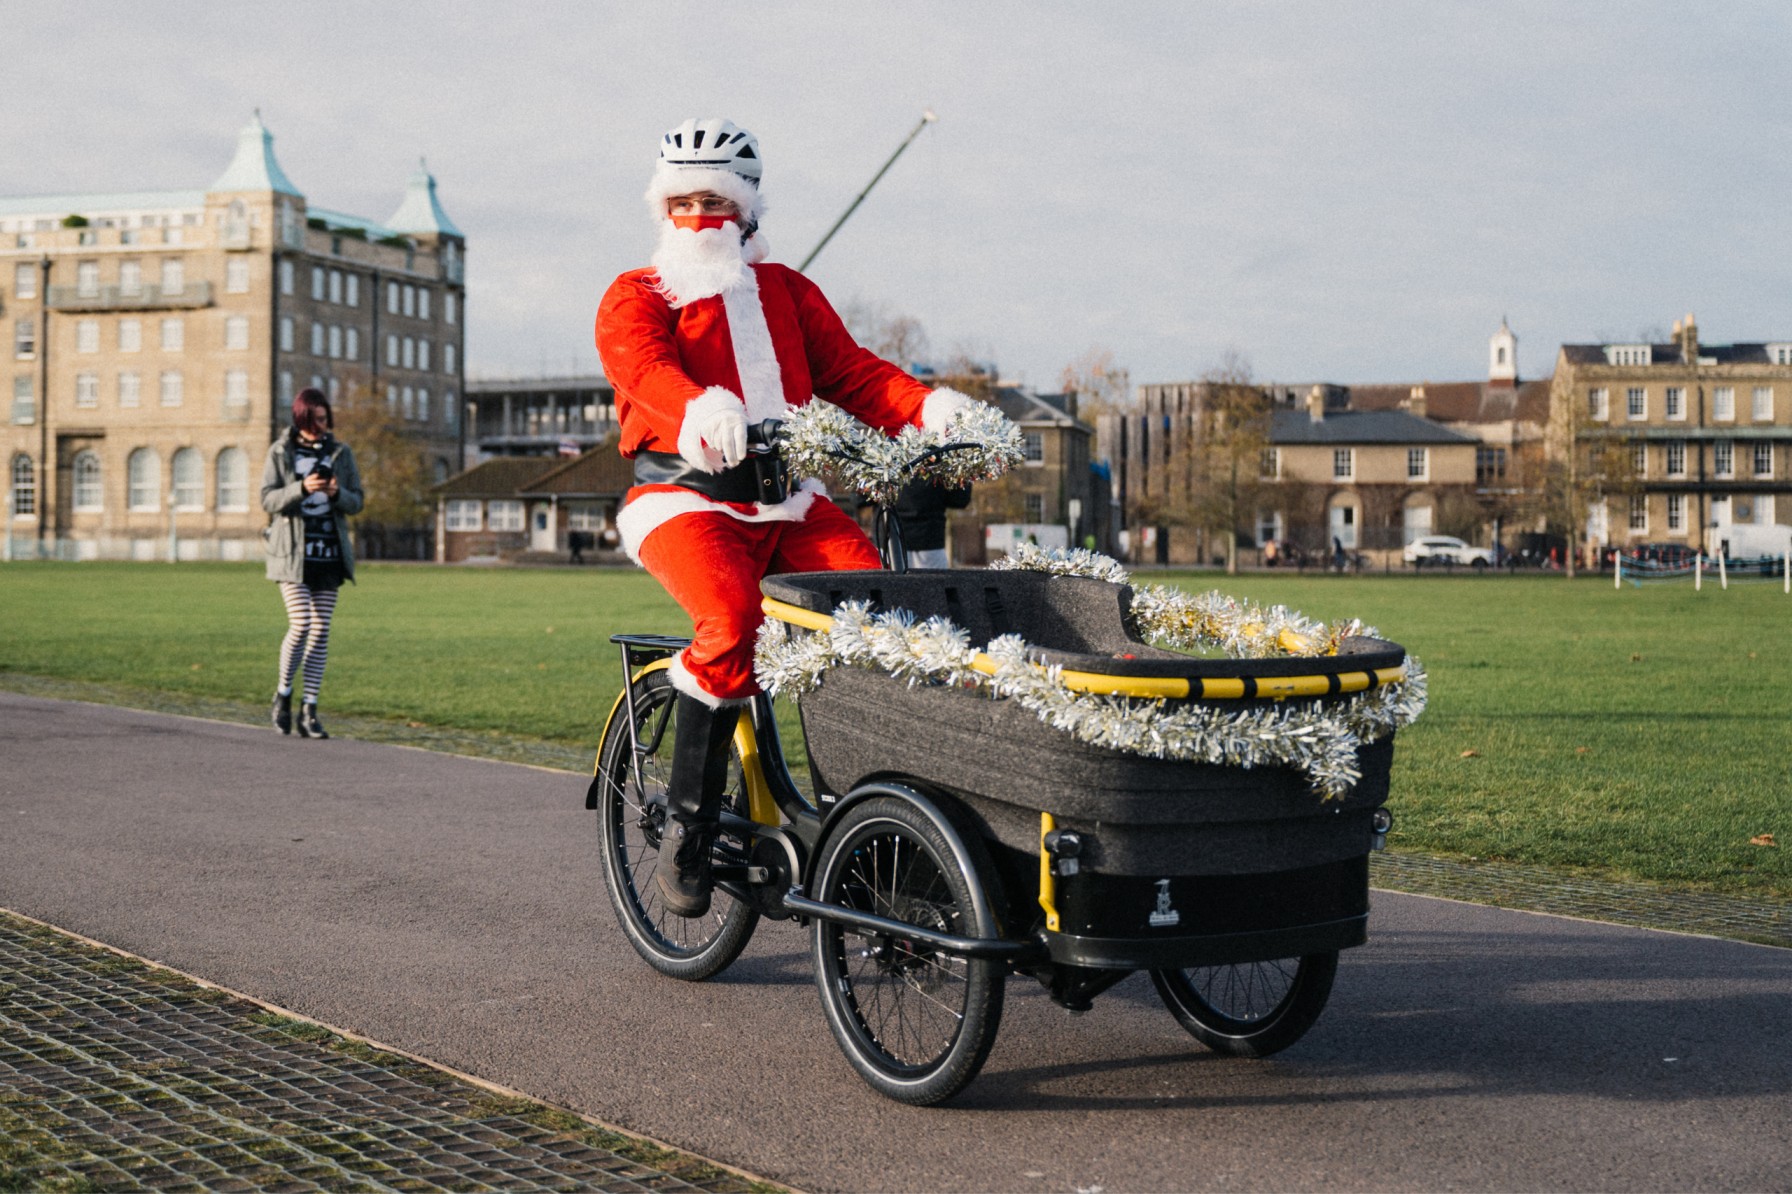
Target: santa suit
pixel 766 344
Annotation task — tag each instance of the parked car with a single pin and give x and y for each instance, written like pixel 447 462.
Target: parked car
pixel 1448 551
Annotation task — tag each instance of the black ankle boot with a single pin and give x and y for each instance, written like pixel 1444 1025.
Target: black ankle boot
pixel 309 726
pixel 282 712
pixel 683 874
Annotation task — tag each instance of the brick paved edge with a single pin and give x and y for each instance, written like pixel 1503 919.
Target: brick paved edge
pixel 685 1168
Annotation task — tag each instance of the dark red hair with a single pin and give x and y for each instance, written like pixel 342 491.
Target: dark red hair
pixel 311 412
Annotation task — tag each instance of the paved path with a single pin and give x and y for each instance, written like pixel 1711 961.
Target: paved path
pixel 451 907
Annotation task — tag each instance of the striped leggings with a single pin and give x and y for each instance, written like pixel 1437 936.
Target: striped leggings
pixel 308 613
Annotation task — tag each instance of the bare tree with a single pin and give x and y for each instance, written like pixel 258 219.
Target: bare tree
pixel 1228 452
pixel 1101 384
pixel 394 473
pixel 897 338
pixel 1586 464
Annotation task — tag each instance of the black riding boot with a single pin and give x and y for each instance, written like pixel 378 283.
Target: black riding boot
pixel 693 803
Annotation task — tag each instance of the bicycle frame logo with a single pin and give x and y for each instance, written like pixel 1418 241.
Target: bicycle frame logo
pixel 1163 916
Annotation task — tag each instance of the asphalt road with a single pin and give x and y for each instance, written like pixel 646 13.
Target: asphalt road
pixel 452 907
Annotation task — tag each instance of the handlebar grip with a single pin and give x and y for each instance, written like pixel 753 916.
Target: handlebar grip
pixel 765 434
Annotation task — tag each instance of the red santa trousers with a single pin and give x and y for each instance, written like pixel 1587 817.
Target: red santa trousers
pixel 711 564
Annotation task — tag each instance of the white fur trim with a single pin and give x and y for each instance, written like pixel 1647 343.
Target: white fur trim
pixel 697 411
pixel 756 249
pixel 651 511
pixel 761 383
pixel 940 406
pixel 683 681
pixel 669 180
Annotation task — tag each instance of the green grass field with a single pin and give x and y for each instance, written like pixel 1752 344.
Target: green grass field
pixel 1636 734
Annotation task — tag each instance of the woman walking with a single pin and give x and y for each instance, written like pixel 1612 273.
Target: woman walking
pixel 310 486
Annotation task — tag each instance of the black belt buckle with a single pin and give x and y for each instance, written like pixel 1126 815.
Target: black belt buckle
pixel 771 477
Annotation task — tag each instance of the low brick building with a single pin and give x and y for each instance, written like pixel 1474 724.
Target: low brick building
pixel 514 508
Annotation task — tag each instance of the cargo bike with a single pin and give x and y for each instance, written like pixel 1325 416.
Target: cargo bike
pixel 954 838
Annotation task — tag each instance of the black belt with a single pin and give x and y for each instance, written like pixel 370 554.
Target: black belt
pixel 758 478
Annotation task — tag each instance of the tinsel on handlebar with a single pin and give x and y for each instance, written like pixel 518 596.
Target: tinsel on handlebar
pixel 979 444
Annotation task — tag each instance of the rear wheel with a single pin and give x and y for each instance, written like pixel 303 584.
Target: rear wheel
pixel 1250 1009
pixel 915 1022
pixel 630 819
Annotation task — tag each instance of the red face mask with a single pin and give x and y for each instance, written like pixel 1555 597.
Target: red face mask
pixel 699 223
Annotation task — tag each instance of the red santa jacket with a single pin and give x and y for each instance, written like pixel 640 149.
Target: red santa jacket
pixel 768 344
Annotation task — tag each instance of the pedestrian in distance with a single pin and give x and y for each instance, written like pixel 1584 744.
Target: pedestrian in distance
pixel 709 339
pixel 309 487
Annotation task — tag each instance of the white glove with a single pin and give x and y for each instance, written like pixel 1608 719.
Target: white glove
pixel 725 434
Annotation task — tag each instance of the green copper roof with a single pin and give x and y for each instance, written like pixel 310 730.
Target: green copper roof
pixel 420 211
pixel 254 168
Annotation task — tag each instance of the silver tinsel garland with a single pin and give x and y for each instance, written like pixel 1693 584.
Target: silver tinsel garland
pixel 1320 738
pixel 820 438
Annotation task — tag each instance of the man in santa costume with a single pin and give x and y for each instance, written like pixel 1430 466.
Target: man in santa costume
pixel 706 341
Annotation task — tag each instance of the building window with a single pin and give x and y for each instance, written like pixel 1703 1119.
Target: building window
pixel 422 303
pixel 447 358
pixel 130 278
pixel 1269 466
pixel 335 343
pixel 130 335
pixel 24 279
pixel 1636 405
pixel 87 279
pixel 410 353
pixel 335 388
pixel 504 514
pixel 1639 513
pixel 89 494
pixel 87 335
pixel 1343 464
pixel 24 399
pixel 88 236
pixel 1677 458
pixel 1675 402
pixel 423 354
pixel 236 332
pixel 353 285
pixel 174 276
pixel 1639 458
pixel 144 475
pixel 1033 447
pixel 174 335
pixel 450 412
pixel 286 333
pixel 392 298
pixel 1723 458
pixel 463 515
pixel 236 275
pixel 1418 464
pixel 286 276
pixel 351 344
pixel 1035 507
pixel 317 339
pixel 1676 511
pixel 173 389
pixel 410 300
pixel 87 389
pixel 1723 404
pixel 422 406
pixel 233 480
pixel 409 397
pixel 317 283
pixel 24 338
pixel 189 480
pixel 1629 354
pixel 1763 454
pixel 24 486
pixel 335 286
pixel 1490 465
pixel 236 388
pixel 130 390
pixel 448 307
pixel 1763 404
pixel 391 350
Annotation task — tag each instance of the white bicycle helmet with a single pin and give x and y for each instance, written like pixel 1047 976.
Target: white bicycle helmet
pixel 708 155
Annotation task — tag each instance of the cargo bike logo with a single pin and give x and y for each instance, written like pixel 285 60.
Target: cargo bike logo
pixel 1163 916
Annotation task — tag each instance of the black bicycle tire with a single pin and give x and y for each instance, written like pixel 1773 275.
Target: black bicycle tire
pixel 1276 1028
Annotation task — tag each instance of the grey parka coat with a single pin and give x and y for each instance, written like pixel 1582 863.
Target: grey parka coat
pixel 282 490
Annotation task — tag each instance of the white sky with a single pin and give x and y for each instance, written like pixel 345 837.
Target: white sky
pixel 1351 192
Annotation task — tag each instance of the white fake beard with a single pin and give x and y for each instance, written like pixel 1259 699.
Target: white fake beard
pixel 695 265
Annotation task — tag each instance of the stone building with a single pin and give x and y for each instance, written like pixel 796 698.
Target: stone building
pixel 1709 427
pixel 156 339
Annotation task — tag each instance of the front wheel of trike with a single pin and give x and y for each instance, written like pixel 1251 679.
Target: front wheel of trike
pixel 916 1022
pixel 1249 1009
pixel 630 819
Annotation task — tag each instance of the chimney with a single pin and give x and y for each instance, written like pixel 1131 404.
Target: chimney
pixel 1689 339
pixel 1316 404
pixel 1416 401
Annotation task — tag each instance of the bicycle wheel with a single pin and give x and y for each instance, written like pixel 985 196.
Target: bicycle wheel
pixel 916 1023
pixel 1251 1009
pixel 630 820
